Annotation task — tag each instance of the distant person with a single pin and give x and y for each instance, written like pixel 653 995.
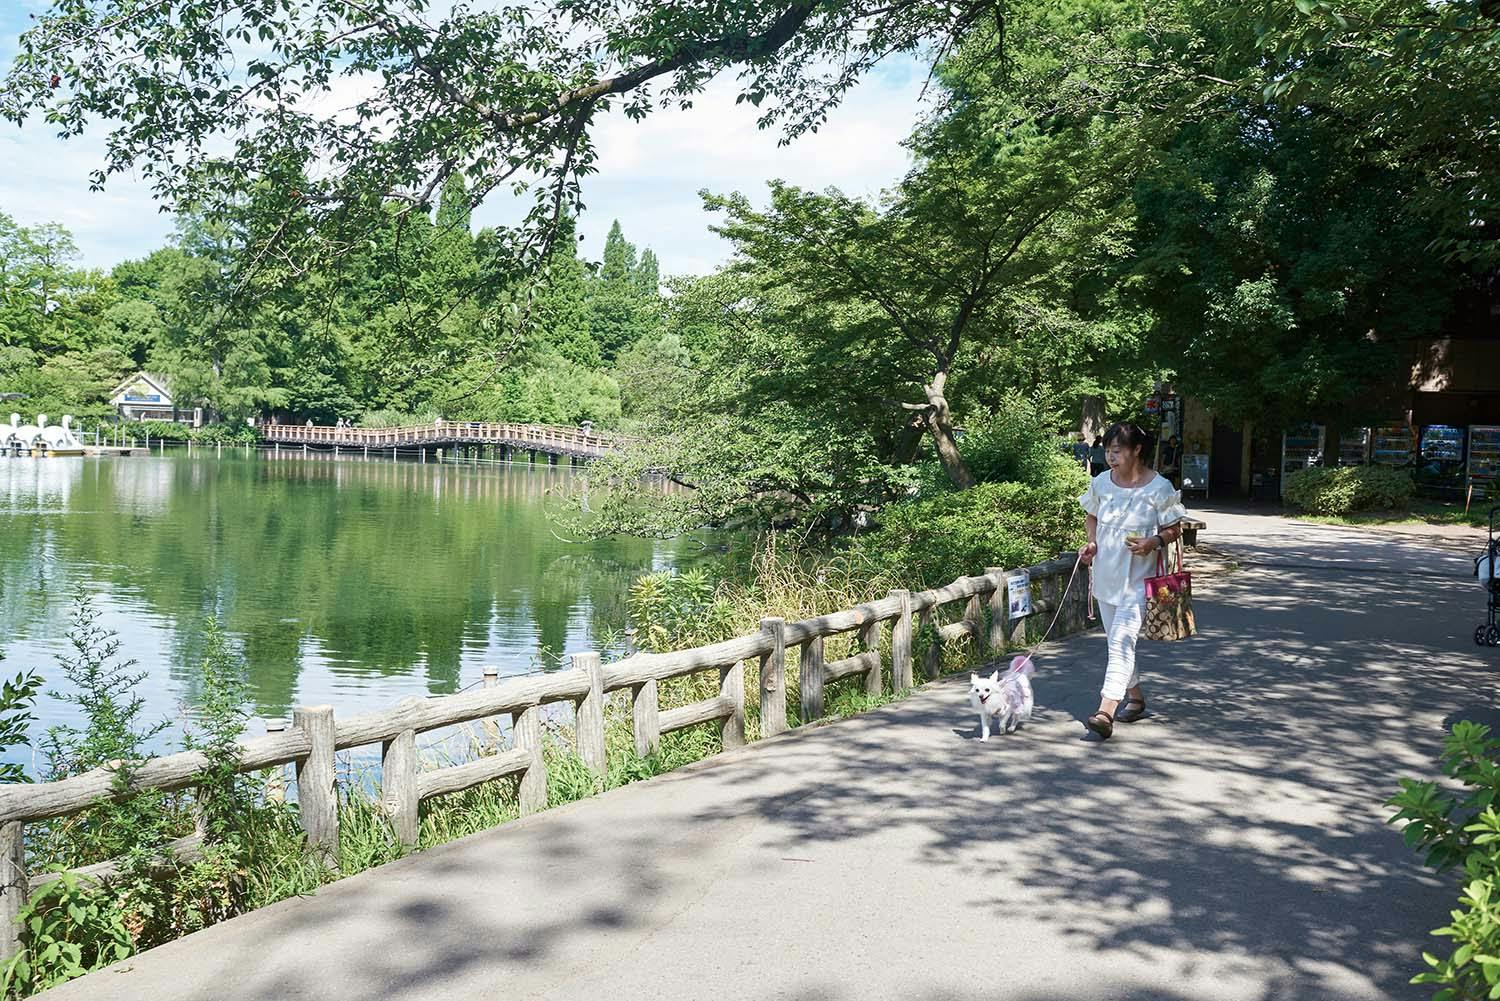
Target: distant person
pixel 1096 457
pixel 1081 453
pixel 309 422
pixel 1171 453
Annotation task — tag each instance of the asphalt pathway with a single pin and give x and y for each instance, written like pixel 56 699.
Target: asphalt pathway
pixel 1232 846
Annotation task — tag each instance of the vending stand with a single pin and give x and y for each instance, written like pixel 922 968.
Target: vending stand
pixel 1484 455
pixel 1354 447
pixel 1440 463
pixel 1301 448
pixel 1392 445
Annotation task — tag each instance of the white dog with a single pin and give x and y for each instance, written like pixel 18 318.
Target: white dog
pixel 1006 699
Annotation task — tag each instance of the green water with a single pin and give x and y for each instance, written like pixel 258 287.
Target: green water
pixel 346 582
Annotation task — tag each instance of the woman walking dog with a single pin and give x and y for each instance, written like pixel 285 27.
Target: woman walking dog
pixel 1132 514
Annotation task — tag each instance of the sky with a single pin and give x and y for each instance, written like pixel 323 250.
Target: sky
pixel 649 172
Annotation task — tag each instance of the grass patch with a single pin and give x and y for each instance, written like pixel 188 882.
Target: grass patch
pixel 1424 511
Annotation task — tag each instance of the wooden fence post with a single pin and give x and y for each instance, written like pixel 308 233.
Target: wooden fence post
pixel 276 783
pixel 773 679
pixel 645 717
pixel 811 680
pixel 932 660
pixel 398 785
pixel 869 638
pixel 732 687
pixel 998 610
pixel 974 622
pixel 901 678
pixel 13 886
pixel 590 718
pixel 527 731
pixel 317 783
pixel 491 724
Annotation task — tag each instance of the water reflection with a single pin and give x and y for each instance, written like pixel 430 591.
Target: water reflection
pixel 348 581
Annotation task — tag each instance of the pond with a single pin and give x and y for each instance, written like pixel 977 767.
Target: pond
pixel 343 581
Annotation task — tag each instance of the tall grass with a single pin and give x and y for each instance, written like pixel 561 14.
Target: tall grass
pixel 674 611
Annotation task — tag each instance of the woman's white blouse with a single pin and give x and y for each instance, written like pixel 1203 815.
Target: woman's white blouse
pixel 1119 576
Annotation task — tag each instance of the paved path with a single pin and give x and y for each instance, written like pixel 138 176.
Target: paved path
pixel 1230 847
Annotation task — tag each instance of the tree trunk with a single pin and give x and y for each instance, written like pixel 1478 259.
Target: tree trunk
pixel 909 441
pixel 940 426
pixel 1093 424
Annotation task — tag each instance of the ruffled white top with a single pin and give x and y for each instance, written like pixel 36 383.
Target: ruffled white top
pixel 1119 575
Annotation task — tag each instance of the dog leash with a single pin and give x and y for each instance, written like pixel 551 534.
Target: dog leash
pixel 1061 600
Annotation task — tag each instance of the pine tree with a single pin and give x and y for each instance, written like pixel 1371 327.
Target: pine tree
pixel 561 310
pixel 614 300
pixel 648 276
pixel 619 256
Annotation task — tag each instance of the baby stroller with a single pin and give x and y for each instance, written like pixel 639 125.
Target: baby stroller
pixel 1487 570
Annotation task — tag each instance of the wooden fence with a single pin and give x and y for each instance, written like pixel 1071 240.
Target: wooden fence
pixel 315 735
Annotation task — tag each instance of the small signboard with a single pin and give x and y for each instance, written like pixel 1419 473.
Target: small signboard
pixel 1018 590
pixel 140 392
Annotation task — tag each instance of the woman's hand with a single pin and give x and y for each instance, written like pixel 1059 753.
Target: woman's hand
pixel 1142 547
pixel 1087 553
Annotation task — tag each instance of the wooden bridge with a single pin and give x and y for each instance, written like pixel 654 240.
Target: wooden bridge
pixel 547 439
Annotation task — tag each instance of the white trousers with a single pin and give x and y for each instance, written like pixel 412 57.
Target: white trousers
pixel 1122 627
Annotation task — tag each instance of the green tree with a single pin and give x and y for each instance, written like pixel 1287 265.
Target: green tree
pixel 560 310
pixel 648 276
pixel 133 327
pixel 619 313
pixel 1414 86
pixel 655 376
pixel 504 100
pixel 1283 270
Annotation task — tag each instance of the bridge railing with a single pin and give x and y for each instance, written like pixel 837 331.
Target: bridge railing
pixel 315 735
pixel 543 436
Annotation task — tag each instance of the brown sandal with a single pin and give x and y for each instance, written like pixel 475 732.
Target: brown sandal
pixel 1130 710
pixel 1101 723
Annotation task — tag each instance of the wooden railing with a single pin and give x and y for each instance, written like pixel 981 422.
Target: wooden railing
pixel 541 437
pixel 315 735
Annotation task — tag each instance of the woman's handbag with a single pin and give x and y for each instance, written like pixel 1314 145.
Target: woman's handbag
pixel 1169 602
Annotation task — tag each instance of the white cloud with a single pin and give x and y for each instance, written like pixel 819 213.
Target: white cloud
pixel 649 175
pixel 650 172
pixel 46 179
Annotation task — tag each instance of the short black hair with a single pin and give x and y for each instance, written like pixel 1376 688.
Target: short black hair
pixel 1131 436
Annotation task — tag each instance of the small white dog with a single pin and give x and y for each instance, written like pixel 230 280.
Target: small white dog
pixel 1006 699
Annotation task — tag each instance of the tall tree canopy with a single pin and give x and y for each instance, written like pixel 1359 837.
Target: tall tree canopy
pixel 219 100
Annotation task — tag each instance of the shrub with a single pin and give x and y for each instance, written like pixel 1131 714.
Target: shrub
pixel 931 541
pixel 1452 829
pixel 69 927
pixel 667 606
pixel 1010 444
pixel 16 700
pixel 1345 489
pixel 209 434
pixel 397 418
